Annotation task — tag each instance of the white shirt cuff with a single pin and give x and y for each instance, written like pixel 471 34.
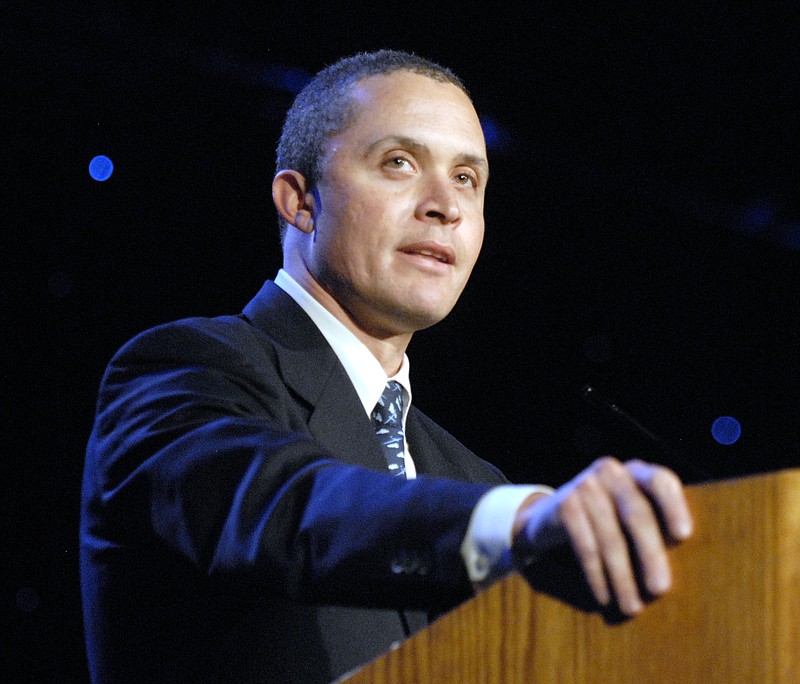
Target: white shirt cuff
pixel 486 549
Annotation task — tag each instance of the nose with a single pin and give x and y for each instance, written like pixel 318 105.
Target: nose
pixel 439 202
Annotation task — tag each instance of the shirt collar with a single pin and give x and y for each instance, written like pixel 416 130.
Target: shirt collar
pixel 363 369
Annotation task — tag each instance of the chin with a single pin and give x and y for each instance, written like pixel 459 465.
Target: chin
pixel 419 318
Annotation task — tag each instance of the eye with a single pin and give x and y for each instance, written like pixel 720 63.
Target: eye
pixel 465 178
pixel 399 163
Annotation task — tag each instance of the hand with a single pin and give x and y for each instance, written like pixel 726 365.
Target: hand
pixel 612 515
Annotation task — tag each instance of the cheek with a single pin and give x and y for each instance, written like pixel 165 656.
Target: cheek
pixel 371 228
pixel 335 226
pixel 473 242
pixel 350 244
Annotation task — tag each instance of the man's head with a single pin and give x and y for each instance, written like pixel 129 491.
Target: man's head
pixel 325 106
pixel 388 232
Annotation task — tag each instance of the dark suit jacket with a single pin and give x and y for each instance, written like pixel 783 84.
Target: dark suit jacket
pixel 238 523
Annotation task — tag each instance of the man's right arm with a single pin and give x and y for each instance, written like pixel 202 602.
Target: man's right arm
pixel 200 448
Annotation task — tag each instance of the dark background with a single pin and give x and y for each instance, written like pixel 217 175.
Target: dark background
pixel 643 234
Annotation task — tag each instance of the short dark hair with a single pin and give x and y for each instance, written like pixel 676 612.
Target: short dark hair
pixel 323 107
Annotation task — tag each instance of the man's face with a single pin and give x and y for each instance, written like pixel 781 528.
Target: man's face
pixel 399 206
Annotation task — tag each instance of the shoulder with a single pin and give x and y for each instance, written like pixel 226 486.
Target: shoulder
pixel 271 320
pixel 201 339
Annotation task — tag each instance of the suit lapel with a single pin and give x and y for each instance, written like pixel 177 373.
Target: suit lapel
pixel 312 371
pixel 436 452
pixel 428 457
pixel 340 423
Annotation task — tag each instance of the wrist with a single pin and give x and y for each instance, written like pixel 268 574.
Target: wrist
pixel 521 542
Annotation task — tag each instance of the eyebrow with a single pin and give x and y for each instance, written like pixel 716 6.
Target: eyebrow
pixel 418 147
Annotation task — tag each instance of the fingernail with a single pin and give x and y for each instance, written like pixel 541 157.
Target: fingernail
pixel 660 581
pixel 603 597
pixel 634 607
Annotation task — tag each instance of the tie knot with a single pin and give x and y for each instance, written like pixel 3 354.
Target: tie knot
pixel 389 410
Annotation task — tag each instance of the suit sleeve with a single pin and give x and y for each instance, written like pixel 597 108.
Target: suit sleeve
pixel 199 448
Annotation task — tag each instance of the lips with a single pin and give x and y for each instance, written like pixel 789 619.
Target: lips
pixel 431 250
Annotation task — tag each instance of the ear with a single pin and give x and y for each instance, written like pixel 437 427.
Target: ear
pixel 292 199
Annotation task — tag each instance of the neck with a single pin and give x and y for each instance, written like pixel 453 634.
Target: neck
pixel 388 349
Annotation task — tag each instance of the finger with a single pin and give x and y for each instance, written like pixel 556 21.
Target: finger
pixel 640 524
pixel 604 516
pixel 666 491
pixel 643 530
pixel 576 522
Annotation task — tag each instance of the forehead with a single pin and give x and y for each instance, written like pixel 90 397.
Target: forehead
pixel 407 104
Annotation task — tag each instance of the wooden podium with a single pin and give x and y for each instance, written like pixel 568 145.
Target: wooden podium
pixel 732 616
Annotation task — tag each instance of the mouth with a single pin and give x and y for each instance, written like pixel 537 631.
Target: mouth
pixel 440 253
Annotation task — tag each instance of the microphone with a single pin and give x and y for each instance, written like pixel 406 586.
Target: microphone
pixel 677 456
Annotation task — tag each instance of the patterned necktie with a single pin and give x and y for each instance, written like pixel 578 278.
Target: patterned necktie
pixel 387 417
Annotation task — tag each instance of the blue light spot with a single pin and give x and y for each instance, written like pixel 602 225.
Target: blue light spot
pixel 490 131
pixel 294 80
pixel 758 216
pixel 497 137
pixel 726 430
pixel 101 168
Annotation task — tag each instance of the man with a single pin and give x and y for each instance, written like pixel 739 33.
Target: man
pixel 240 519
